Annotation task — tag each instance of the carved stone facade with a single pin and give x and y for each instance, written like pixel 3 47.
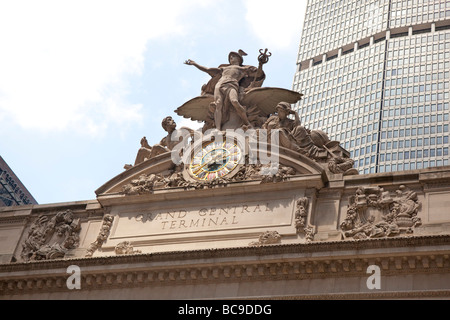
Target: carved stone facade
pixel 169 229
pixel 373 213
pixel 314 241
pixel 51 237
pixel 147 183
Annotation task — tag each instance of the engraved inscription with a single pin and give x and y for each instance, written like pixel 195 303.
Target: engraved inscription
pixel 203 217
pixel 174 220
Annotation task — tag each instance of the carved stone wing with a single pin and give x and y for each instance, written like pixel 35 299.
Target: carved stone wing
pixel 196 109
pixel 267 98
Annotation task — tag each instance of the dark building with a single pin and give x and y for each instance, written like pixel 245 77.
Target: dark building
pixel 12 191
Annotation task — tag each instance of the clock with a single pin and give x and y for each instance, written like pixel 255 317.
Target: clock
pixel 215 160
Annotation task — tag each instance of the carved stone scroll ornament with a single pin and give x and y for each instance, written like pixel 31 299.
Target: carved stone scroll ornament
pixel 51 237
pixel 373 213
pixel 102 236
pixel 266 238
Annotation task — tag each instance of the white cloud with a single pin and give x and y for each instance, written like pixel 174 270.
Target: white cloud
pixel 61 60
pixel 277 23
pixel 194 125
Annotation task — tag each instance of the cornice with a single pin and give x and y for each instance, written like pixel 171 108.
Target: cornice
pixel 304 249
pixel 234 265
pixel 213 274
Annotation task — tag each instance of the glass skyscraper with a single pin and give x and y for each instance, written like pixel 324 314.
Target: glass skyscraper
pixel 376 76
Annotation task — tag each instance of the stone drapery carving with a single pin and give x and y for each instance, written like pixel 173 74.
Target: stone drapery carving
pixel 315 144
pixel 291 134
pixel 266 238
pixel 340 164
pixel 51 237
pixel 125 247
pixel 373 213
pixel 102 236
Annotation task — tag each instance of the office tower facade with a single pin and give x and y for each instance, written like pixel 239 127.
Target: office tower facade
pixel 376 76
pixel 12 191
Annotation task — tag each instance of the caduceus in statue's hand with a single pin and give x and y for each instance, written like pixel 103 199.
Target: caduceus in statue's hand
pixel 263 58
pixel 227 87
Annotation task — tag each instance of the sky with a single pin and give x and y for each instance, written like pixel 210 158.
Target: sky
pixel 81 82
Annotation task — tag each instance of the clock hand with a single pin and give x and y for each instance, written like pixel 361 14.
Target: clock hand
pixel 209 163
pixel 198 169
pixel 218 162
pixel 224 157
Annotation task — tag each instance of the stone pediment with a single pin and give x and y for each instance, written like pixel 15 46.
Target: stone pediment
pixel 243 197
pixel 168 176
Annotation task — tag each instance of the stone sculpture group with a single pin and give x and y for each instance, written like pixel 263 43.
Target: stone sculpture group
pixel 234 99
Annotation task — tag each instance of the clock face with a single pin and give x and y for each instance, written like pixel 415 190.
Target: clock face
pixel 215 160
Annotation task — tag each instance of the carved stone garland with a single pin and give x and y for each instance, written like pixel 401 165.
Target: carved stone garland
pixel 301 218
pixel 373 213
pixel 148 183
pixel 102 236
pixel 51 237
